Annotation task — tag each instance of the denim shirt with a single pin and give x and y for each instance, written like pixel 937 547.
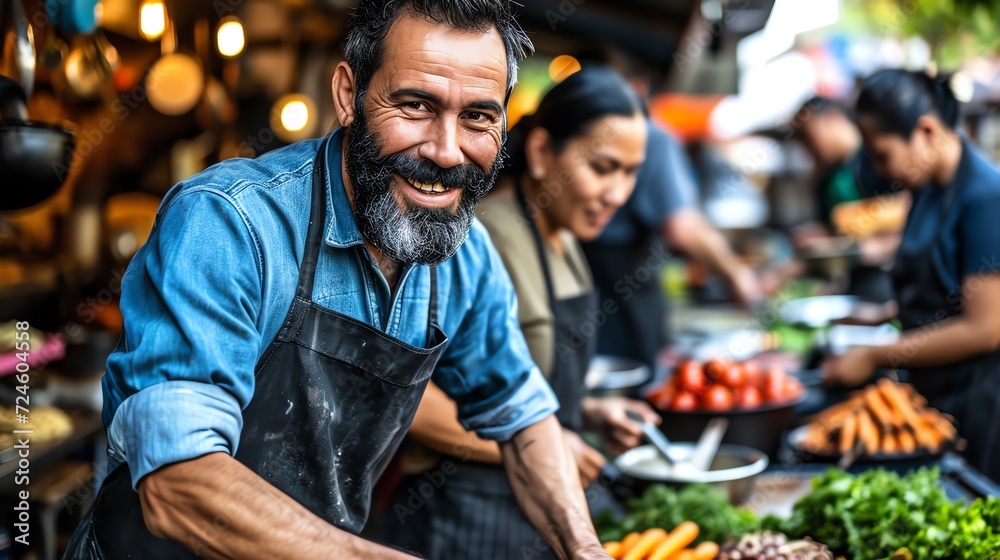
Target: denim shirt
pixel 206 294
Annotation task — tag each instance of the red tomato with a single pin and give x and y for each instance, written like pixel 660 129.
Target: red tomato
pixel 752 374
pixel 662 397
pixel 717 398
pixel 733 376
pixel 749 397
pixel 684 402
pixel 715 369
pixel 774 385
pixel 793 388
pixel 690 377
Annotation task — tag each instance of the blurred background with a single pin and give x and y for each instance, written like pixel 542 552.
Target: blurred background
pixel 124 98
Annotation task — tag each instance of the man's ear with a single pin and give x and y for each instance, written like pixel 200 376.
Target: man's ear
pixel 344 93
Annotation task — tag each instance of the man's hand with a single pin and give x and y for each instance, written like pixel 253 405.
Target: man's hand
pixel 588 460
pixel 747 286
pixel 853 368
pixel 543 475
pixel 609 416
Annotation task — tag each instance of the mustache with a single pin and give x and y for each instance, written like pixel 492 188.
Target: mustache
pixel 468 176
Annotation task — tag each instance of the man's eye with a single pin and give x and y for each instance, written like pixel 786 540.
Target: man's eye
pixel 479 117
pixel 415 105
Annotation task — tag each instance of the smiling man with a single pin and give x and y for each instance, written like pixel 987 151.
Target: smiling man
pixel 287 313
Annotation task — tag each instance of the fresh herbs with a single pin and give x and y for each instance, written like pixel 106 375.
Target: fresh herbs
pixel 664 507
pixel 877 513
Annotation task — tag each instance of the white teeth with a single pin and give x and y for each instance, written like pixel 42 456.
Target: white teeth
pixel 438 187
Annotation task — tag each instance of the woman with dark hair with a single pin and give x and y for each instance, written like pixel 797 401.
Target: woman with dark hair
pixel 572 164
pixel 945 274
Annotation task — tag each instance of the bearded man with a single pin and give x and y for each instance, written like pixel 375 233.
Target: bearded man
pixel 284 317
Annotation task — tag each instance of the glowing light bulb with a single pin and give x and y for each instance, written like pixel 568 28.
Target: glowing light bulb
pixel 294 116
pixel 152 19
pixel 230 38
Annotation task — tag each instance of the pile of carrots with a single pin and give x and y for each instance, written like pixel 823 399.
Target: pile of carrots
pixel 658 544
pixel 886 418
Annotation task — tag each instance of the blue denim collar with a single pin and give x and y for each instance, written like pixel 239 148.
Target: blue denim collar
pixel 342 229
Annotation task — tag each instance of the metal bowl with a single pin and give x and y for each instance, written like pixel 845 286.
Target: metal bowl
pixel 733 471
pixel 611 376
pixel 819 311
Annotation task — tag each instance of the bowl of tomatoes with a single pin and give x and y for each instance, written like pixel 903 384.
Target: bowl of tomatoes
pixel 758 402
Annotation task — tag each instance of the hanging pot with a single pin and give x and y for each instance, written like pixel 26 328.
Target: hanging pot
pixel 34 157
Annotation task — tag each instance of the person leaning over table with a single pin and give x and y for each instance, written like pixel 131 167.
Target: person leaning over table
pixel 286 314
pixel 573 163
pixel 661 215
pixel 945 273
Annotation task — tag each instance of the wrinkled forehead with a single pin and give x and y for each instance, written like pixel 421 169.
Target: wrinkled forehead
pixel 448 62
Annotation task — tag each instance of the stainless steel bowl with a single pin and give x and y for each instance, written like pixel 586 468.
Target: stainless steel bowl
pixel 733 471
pixel 819 311
pixel 610 376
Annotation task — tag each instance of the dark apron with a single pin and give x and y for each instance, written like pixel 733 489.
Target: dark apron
pixel 333 398
pixel 968 390
pixel 474 513
pixel 638 330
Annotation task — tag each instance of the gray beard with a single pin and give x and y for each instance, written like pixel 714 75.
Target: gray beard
pixel 414 235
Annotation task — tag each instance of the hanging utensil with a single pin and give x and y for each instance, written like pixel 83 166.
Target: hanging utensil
pixel 17 59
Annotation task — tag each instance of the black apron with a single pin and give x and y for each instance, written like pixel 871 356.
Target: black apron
pixel 638 330
pixel 968 390
pixel 333 398
pixel 474 514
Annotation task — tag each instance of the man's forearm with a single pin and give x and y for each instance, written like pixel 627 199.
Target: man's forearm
pixel 436 425
pixel 544 477
pixel 218 508
pixel 934 344
pixel 690 232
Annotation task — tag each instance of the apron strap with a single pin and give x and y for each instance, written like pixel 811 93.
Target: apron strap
pixel 432 308
pixel 314 235
pixel 539 245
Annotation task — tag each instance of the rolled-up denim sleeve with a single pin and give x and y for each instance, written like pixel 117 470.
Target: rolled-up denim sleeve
pixel 184 370
pixel 487 368
pixel 203 419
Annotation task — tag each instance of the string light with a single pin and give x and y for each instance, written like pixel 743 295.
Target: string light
pixel 230 37
pixel 152 19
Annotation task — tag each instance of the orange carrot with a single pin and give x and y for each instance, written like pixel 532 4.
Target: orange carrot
pixel 686 554
pixel 878 408
pixel 895 396
pixel 647 542
pixel 683 535
pixel 867 432
pixel 706 551
pixel 848 433
pixel 890 444
pixel 906 442
pixel 628 543
pixel 613 548
pixel 940 423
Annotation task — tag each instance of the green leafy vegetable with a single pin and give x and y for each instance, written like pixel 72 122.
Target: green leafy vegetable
pixel 666 508
pixel 876 513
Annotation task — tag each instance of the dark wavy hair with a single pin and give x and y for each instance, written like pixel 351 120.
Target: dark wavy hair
pixel 897 98
pixel 570 108
pixel 372 19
